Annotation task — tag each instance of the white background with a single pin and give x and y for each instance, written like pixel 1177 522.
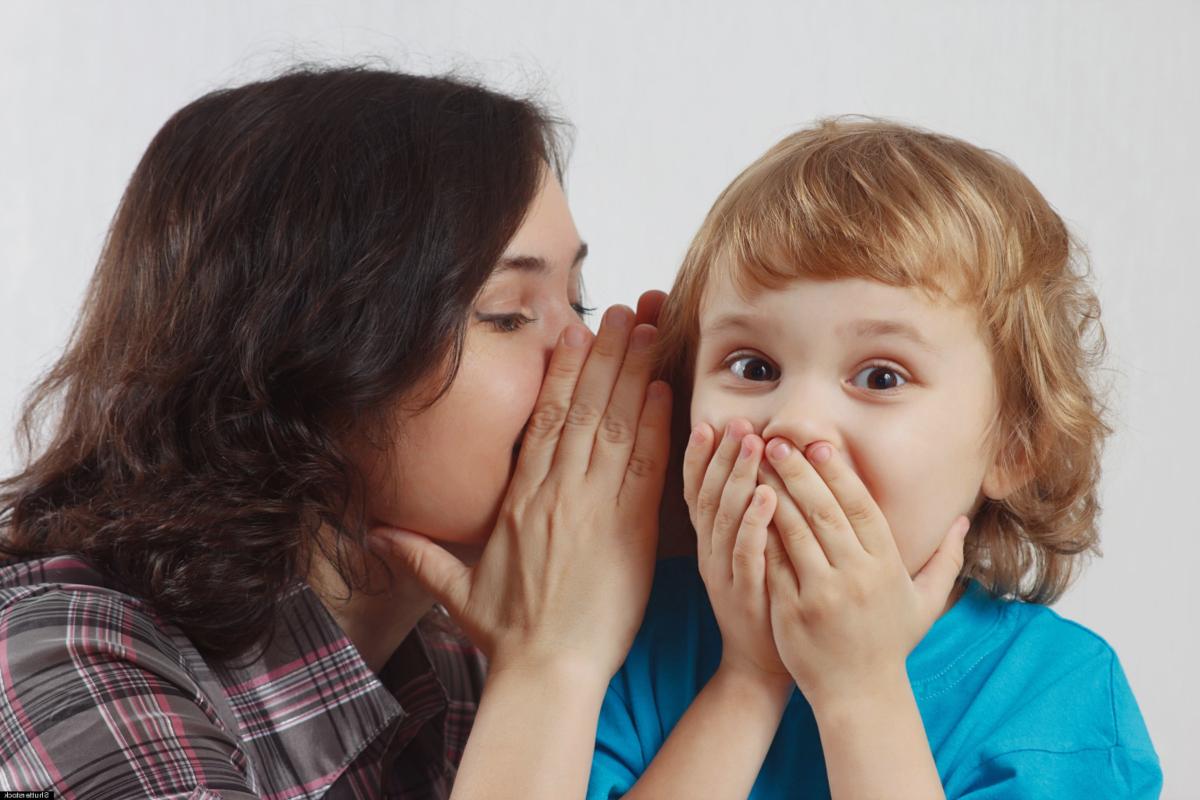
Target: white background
pixel 1098 102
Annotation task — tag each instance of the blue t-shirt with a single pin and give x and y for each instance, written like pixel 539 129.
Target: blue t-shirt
pixel 1017 703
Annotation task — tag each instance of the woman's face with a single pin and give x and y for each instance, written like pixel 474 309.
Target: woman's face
pixel 446 471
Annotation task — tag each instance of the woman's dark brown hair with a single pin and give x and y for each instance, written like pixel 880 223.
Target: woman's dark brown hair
pixel 289 257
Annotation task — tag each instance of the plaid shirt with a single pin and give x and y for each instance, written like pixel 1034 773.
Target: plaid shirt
pixel 100 698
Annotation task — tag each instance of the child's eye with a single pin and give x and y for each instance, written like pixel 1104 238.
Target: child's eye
pixel 506 323
pixel 879 377
pixel 755 369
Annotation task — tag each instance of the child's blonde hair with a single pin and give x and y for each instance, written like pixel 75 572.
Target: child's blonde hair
pixel 863 198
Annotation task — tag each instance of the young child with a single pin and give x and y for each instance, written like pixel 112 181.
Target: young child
pixel 884 339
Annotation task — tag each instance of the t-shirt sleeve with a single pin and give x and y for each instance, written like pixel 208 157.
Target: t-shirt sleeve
pixel 1123 766
pixel 618 760
pixel 1116 772
pixel 97 702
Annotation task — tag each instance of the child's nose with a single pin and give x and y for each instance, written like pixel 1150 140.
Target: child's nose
pixel 803 420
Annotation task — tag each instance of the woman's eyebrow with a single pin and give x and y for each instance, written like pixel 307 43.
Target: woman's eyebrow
pixel 536 263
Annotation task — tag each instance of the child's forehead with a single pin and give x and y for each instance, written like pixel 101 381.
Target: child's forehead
pixel 844 307
pixel 725 294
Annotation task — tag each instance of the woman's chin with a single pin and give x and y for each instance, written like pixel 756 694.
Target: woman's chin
pixel 467 552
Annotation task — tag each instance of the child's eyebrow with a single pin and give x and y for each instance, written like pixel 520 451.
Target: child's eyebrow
pixel 866 328
pixel 729 321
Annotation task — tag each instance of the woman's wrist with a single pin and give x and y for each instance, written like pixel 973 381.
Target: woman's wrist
pixel 570 672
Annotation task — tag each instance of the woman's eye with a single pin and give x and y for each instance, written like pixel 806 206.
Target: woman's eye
pixel 507 323
pixel 582 310
pixel 752 369
pixel 879 378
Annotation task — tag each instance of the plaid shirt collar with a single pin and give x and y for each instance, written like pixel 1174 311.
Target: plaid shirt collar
pixel 311 717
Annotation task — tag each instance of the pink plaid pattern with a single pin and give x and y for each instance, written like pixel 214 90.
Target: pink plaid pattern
pixel 101 698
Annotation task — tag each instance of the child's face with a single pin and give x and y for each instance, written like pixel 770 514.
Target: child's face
pixel 829 360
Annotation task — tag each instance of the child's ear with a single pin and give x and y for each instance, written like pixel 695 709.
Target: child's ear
pixel 1008 472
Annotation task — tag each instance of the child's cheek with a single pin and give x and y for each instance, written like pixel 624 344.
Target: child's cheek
pixel 921 490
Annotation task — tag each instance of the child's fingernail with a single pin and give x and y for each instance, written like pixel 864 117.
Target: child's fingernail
pixel 746 448
pixel 779 450
pixel 819 453
pixel 697 434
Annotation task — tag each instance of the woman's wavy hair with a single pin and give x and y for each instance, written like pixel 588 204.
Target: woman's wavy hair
pixel 865 198
pixel 288 258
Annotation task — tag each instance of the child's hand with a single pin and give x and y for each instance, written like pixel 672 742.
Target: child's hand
pixel 844 610
pixel 730 514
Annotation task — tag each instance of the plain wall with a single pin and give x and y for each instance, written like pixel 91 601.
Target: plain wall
pixel 1098 102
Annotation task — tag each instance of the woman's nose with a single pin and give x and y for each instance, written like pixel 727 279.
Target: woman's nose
pixel 556 319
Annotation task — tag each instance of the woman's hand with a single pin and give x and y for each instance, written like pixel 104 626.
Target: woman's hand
pixel 564 578
pixel 844 611
pixel 730 513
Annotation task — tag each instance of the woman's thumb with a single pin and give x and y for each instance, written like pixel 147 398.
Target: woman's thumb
pixel 936 579
pixel 439 572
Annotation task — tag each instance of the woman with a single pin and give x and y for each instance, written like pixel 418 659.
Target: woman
pixel 321 321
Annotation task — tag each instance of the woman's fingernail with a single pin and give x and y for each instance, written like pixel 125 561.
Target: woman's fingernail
pixel 576 335
pixel 617 317
pixel 819 453
pixel 779 450
pixel 642 337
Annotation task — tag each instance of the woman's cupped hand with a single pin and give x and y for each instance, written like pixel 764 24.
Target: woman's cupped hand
pixel 564 578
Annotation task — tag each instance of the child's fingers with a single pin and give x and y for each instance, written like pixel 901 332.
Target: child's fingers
pixel 816 502
pixel 796 537
pixel 861 510
pixel 695 460
pixel 783 589
pixel 735 497
pixel 708 498
pixel 935 580
pixel 749 549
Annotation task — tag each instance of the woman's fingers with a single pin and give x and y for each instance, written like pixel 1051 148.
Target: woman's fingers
pixel 618 427
pixel 648 307
pixel 439 572
pixel 593 390
pixel 554 400
pixel 859 508
pixel 815 501
pixel 646 467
